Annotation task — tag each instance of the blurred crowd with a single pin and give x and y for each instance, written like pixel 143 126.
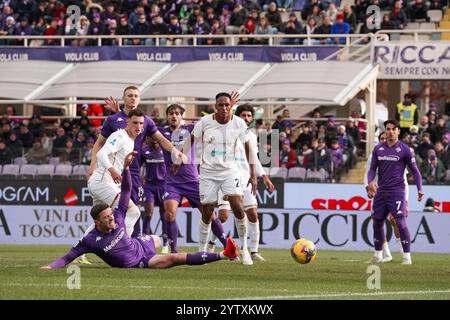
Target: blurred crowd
pixel 202 17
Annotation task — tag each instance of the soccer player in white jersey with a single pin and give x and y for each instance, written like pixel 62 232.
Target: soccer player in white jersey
pixel 246 112
pixel 217 136
pixel 104 184
pixel 387 256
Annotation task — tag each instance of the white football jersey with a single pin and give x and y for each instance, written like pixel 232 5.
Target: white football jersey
pixel 219 143
pixel 116 147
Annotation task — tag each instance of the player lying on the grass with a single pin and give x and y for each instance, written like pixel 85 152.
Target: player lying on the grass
pixel 113 245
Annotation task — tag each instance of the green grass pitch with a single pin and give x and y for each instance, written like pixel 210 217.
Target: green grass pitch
pixel 334 275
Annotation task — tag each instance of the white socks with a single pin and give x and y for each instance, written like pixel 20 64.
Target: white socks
pixel 131 217
pixel 386 251
pixel 203 234
pixel 379 254
pixel 241 226
pixel 253 232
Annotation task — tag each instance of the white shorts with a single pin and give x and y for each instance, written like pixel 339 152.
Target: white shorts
pixel 229 185
pixel 249 200
pixel 103 192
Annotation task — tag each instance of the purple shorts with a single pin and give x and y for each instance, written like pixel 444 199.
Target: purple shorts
pixel 190 191
pixel 137 191
pixel 388 202
pixel 153 193
pixel 149 250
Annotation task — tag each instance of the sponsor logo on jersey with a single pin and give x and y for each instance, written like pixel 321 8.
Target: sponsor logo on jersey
pixel 113 141
pixel 398 149
pixel 120 119
pixel 388 158
pixel 98 239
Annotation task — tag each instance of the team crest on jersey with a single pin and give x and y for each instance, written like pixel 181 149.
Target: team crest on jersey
pixel 119 119
pixel 381 149
pixel 98 239
pixel 398 149
pixel 113 141
pixel 147 152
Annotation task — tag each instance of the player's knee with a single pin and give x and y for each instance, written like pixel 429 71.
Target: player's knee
pixel 252 215
pixel 223 215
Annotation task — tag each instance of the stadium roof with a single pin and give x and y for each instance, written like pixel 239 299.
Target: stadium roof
pixel 321 82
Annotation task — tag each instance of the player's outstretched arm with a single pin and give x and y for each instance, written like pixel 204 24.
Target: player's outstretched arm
pixel 67 258
pixel 235 97
pixel 168 146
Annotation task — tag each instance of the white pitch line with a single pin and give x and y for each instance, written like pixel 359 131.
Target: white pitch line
pixel 343 294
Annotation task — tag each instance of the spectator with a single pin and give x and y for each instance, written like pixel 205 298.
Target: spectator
pixel 158 28
pixel 110 13
pixel 215 29
pixel 273 16
pixel 59 143
pixel 174 29
pixel 264 28
pixel 86 152
pixel 6 130
pixel 80 141
pixel 418 11
pixel 8 29
pixel 353 131
pixel 414 137
pixel 37 154
pixel 430 206
pixel 425 145
pixel 407 114
pixel 95 110
pixel 432 117
pixel 350 18
pixel 25 136
pixel 287 155
pixel 305 137
pixel 325 28
pixel 321 156
pixel 340 27
pixel 347 145
pixel 237 20
pixel 111 30
pixel 304 156
pixel 443 155
pixel 201 28
pixel 210 15
pixel 439 130
pixel 286 122
pixel 386 23
pixel 5 153
pixel 133 18
pixel 47 141
pixel 337 160
pixel 225 17
pixel 96 28
pixel 70 154
pixel 141 28
pixel 292 26
pixel 423 124
pixel 398 15
pixel 331 12
pixel 434 171
pixel 35 125
pixel 52 30
pixel 124 29
pixel 82 30
pixel 330 131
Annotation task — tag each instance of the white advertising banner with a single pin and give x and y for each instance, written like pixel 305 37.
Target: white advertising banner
pixel 353 197
pixel 418 60
pixel 330 230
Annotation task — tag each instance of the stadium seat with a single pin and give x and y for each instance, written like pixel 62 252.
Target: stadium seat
pixel 62 171
pixel 45 171
pixel 297 174
pixel 278 173
pixel 28 171
pixel 412 26
pixel 20 161
pixel 427 26
pixel 53 160
pixel 315 176
pixel 79 171
pixel 10 171
pixel 434 15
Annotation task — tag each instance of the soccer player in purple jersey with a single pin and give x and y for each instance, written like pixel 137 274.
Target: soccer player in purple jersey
pixel 391 159
pixel 152 158
pixel 184 182
pixel 131 98
pixel 112 244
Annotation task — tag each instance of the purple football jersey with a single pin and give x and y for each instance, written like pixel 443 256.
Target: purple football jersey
pixel 116 248
pixel 187 172
pixel 391 163
pixel 155 166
